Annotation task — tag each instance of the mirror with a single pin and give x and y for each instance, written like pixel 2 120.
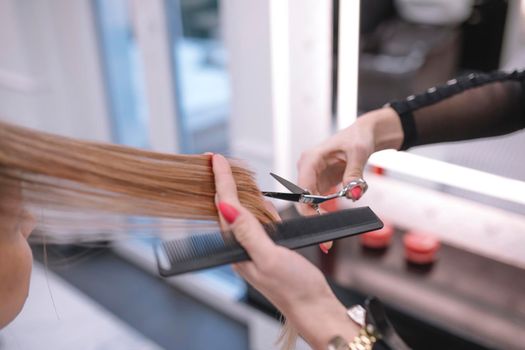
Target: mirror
pixel 408 46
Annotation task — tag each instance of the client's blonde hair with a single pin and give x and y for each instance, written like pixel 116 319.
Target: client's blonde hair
pixel 84 191
pixel 73 182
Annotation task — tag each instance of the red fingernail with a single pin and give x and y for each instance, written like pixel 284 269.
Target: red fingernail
pixel 356 192
pixel 323 247
pixel 228 212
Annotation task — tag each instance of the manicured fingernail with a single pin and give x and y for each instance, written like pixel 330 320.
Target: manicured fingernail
pixel 324 248
pixel 228 212
pixel 356 192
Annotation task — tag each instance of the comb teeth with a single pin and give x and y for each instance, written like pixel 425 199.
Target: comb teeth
pixel 197 245
pixel 215 248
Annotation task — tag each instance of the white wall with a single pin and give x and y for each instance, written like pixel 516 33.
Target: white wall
pixel 246 34
pixel 50 74
pixel 279 90
pixel 310 36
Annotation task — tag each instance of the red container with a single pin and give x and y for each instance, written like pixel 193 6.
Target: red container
pixel 378 239
pixel 420 247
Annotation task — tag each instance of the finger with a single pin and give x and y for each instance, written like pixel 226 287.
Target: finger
pixel 354 170
pixel 225 186
pixel 326 246
pixel 224 182
pixel 308 170
pixel 354 166
pixel 310 166
pixel 248 232
pixel 246 270
pixel 222 222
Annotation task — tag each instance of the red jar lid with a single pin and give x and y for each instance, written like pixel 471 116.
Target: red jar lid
pixel 420 247
pixel 378 239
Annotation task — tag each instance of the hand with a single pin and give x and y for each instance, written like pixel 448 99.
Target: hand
pixel 294 285
pixel 342 157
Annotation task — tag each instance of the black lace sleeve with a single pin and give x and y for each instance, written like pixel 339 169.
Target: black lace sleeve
pixel 474 106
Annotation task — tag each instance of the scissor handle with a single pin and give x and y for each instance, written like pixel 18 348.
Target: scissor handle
pixel 356 188
pixel 352 190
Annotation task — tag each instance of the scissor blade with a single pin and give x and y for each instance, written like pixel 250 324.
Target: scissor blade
pixel 289 185
pixel 292 197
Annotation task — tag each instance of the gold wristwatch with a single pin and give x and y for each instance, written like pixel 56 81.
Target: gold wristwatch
pixel 364 340
pixel 374 327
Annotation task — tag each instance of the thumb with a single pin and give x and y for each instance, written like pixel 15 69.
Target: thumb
pixel 248 232
pixel 354 170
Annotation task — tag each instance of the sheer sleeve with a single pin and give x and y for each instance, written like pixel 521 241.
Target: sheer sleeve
pixel 474 106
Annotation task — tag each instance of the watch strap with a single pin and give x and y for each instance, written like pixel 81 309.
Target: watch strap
pixel 376 318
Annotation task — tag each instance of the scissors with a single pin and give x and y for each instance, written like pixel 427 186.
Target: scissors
pixel 355 188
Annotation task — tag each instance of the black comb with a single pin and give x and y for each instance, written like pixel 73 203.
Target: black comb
pixel 202 251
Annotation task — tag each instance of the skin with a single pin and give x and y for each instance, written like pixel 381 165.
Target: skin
pixel 342 157
pixel 15 255
pixel 297 288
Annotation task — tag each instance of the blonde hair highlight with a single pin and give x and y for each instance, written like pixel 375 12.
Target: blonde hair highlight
pixel 81 185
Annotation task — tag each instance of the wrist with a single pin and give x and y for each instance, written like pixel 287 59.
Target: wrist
pixel 322 320
pixel 386 128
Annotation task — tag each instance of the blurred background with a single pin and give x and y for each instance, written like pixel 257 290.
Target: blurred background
pixel 264 81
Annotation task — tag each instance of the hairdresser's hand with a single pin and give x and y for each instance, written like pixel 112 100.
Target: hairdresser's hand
pixel 295 286
pixel 342 157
